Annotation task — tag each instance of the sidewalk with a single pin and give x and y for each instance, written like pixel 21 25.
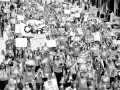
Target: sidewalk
pixel 2 41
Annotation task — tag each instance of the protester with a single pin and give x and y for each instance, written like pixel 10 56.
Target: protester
pixel 4 75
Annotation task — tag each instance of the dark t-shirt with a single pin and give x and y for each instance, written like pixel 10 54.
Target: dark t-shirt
pixel 20 86
pixel 102 15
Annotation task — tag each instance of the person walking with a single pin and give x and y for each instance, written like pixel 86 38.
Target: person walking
pixel 98 13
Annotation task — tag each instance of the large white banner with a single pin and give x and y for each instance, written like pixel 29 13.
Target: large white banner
pixel 22 28
pixel 21 42
pixel 77 15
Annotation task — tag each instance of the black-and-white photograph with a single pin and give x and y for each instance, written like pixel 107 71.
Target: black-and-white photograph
pixel 59 44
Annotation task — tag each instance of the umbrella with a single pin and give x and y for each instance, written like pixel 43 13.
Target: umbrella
pixel 30 62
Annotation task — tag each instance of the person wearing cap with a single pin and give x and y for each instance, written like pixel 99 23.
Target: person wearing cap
pixel 29 74
pixel 26 86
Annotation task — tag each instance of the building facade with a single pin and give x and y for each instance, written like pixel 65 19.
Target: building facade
pixel 112 5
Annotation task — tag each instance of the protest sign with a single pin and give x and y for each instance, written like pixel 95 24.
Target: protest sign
pixel 41 8
pixel 73 10
pixel 77 15
pixel 80 31
pixel 72 33
pixel 21 42
pixel 66 11
pixel 48 1
pixel 97 36
pixel 81 60
pixel 51 85
pixel 21 28
pixel 20 17
pixel 80 10
pixel 17 29
pixel 37 42
pixel 30 62
pixel 51 43
pixel 116 42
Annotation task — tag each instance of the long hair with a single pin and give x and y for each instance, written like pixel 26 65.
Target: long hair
pixel 5 68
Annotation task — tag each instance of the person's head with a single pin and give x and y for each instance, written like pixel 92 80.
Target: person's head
pixel 26 85
pixel 82 75
pixel 3 65
pixel 11 82
pixel 29 68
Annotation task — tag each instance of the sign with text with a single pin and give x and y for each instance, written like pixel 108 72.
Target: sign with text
pixel 21 42
pixel 51 85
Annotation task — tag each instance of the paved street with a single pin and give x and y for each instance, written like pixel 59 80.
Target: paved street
pixel 2 42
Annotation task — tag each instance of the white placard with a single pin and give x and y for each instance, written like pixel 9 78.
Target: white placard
pixel 36 23
pixel 80 31
pixel 66 11
pixel 72 34
pixel 77 15
pixel 81 60
pixel 73 9
pixel 17 28
pixel 48 1
pixel 20 17
pixel 21 42
pixel 85 18
pixel 51 85
pixel 80 10
pixel 41 8
pixel 21 27
pixel 116 42
pixel 97 36
pixel 51 43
